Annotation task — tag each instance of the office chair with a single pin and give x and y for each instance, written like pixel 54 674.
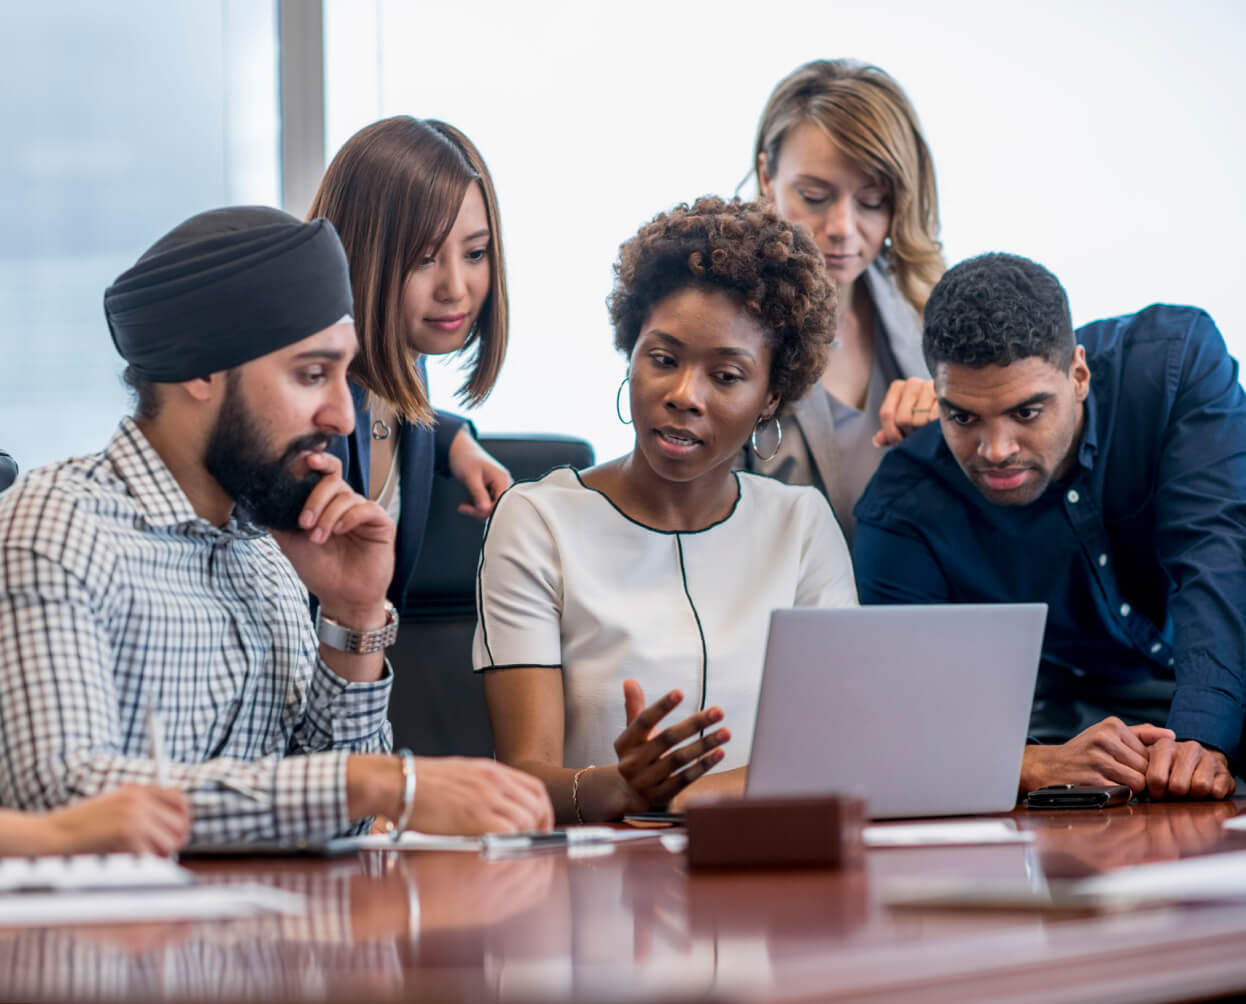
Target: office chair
pixel 8 470
pixel 437 705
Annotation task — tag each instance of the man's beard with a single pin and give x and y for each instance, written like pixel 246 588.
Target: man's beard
pixel 237 456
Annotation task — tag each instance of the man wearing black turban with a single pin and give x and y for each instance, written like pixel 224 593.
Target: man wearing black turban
pixel 141 580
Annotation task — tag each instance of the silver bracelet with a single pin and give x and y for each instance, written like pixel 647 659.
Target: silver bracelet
pixel 408 793
pixel 575 790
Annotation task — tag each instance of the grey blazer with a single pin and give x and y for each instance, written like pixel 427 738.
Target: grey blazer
pixel 809 454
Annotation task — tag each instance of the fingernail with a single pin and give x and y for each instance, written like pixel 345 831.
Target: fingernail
pixel 306 518
pixel 716 715
pixel 318 535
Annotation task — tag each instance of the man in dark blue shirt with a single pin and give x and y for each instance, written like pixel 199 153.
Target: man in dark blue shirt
pixel 1107 479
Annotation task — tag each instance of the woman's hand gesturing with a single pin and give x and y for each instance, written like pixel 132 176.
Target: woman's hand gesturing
pixel 651 760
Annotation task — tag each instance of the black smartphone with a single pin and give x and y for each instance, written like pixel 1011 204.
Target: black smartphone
pixel 654 818
pixel 1078 796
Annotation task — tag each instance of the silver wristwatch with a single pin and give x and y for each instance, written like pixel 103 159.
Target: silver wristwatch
pixel 346 639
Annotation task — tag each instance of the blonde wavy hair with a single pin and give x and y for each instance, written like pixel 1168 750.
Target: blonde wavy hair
pixel 866 114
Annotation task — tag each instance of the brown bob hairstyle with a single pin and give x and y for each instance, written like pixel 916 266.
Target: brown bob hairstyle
pixel 393 192
pixel 865 113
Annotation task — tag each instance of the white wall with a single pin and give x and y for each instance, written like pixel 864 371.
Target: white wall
pixel 1102 139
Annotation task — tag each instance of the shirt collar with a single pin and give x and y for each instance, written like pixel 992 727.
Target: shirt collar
pixel 153 487
pixel 1089 449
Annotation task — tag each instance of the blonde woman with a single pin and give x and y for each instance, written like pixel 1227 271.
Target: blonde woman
pixel 839 150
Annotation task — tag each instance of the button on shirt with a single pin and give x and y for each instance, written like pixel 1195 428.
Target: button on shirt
pixel 1140 552
pixel 115 595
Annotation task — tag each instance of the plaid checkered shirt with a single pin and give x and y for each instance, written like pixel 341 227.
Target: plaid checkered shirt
pixel 115 596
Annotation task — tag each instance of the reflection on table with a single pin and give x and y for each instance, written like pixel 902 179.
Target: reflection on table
pixel 635 925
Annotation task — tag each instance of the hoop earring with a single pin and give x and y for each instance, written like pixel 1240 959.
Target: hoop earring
pixel 753 438
pixel 618 402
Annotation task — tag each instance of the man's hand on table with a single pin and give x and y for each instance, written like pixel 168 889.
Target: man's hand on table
pixel 1143 757
pixel 1188 770
pixel 1109 752
pixel 459 795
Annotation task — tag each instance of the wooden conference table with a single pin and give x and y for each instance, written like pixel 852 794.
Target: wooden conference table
pixel 635 925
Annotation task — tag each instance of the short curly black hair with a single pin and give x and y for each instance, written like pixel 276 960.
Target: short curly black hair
pixel 748 251
pixel 995 309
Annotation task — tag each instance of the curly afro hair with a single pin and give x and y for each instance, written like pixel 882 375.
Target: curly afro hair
pixel 995 309
pixel 743 249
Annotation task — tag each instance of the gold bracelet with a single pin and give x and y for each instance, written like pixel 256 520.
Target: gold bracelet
pixel 575 790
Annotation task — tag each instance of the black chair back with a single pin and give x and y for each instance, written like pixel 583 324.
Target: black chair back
pixel 437 705
pixel 8 470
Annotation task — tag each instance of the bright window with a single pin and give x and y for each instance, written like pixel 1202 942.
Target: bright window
pixel 119 120
pixel 1100 139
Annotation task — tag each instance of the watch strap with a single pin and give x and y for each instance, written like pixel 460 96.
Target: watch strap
pixel 346 639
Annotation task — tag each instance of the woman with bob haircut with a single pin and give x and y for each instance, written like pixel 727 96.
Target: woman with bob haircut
pixel 839 150
pixel 415 208
pixel 655 573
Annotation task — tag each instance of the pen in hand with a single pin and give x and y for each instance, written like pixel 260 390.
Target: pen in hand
pixel 155 734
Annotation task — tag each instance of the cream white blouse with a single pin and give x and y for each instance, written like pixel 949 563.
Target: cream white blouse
pixel 566 580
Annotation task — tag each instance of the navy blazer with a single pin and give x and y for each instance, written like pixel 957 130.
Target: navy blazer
pixel 422 452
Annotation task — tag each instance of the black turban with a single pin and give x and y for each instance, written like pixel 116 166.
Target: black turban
pixel 225 287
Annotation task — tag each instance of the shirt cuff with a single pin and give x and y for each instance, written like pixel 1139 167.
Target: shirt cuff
pixel 351 715
pixel 1209 716
pixel 309 796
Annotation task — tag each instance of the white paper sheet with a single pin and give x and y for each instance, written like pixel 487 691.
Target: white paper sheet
pixel 1236 823
pixel 981 831
pixel 136 906
pixel 1206 877
pixel 411 840
pixel 990 831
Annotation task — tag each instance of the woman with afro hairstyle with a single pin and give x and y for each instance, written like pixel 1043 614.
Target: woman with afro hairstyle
pixel 840 151
pixel 654 575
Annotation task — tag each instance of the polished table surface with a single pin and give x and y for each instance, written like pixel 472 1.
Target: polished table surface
pixel 634 925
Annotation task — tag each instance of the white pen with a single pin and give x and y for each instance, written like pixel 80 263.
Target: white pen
pixel 155 733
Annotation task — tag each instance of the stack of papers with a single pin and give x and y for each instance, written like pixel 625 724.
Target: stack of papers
pixel 123 888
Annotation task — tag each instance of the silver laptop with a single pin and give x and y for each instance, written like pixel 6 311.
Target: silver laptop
pixel 924 710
